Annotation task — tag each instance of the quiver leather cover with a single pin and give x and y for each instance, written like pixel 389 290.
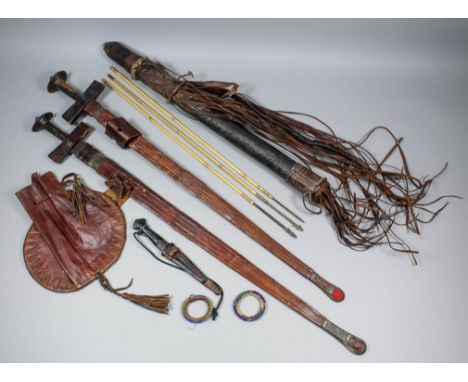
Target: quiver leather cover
pixel 62 253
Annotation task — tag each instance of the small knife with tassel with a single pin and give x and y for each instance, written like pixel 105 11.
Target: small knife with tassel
pixel 177 258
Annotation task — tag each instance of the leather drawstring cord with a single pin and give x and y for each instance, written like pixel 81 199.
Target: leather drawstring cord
pixel 181 81
pixel 159 303
pixel 137 235
pixel 80 195
pixel 306 197
pixel 135 66
pixel 185 75
pixel 72 183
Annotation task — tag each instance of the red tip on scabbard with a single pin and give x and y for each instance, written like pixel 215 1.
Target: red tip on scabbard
pixel 337 295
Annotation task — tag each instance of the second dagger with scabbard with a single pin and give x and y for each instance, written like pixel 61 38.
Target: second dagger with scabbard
pixel 176 258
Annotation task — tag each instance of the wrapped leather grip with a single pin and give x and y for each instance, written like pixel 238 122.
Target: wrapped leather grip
pixel 294 173
pixel 303 179
pixel 251 144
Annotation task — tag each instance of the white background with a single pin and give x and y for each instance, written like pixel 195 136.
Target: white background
pixel 408 75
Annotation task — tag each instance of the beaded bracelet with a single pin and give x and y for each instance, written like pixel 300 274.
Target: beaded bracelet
pixel 203 318
pixel 261 305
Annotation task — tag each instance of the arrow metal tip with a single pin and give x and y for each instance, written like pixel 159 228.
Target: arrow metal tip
pixel 298 227
pixel 291 233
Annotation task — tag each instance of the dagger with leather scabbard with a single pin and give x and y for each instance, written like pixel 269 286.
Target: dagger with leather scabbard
pixel 123 185
pixel 177 258
pixel 127 136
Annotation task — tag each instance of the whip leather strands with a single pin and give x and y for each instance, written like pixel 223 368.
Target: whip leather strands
pixel 367 198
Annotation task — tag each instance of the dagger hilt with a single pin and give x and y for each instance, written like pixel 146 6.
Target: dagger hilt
pixel 141 226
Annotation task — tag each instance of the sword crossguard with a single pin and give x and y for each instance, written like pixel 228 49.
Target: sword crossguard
pixel 69 141
pixel 59 82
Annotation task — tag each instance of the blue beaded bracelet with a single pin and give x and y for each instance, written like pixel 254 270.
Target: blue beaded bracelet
pixel 190 300
pixel 261 305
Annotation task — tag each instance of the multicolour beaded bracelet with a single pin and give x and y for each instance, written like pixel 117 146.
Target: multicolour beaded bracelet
pixel 203 318
pixel 261 305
